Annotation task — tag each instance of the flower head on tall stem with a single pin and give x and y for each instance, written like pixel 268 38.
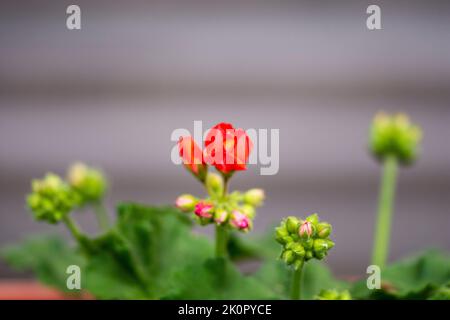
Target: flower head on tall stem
pixel 52 199
pixel 228 150
pixel 394 141
pixel 395 135
pixel 302 240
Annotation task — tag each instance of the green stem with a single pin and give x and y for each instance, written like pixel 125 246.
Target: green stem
pixel 73 228
pixel 296 283
pixel 221 241
pixel 221 231
pixel 386 201
pixel 102 216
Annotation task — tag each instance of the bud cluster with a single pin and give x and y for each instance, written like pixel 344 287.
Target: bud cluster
pixel 52 198
pixel 235 210
pixel 88 182
pixel 395 135
pixel 303 240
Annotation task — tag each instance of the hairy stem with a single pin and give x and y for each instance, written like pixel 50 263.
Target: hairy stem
pixel 385 206
pixel 73 228
pixel 296 292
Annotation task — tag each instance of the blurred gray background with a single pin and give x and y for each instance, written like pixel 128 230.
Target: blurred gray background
pixel 112 93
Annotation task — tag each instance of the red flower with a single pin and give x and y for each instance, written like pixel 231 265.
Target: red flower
pixel 227 148
pixel 192 157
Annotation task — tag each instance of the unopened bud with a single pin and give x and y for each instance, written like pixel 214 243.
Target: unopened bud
pixel 306 229
pixel 220 216
pixel 203 210
pixel 186 202
pixel 288 256
pixel 240 221
pixel 292 224
pixel 298 249
pixel 214 184
pixel 254 197
pixel 280 234
pixel 314 218
pixel 323 230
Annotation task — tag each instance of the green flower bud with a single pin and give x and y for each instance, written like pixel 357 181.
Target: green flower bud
pixel 320 245
pixel 254 197
pixel 214 184
pixel 298 249
pixel 288 256
pixel 292 225
pixel 323 230
pixel 333 295
pixel 280 234
pixel 221 216
pixel 51 198
pixel 309 255
pixel 308 244
pixel 89 183
pixel 395 135
pixel 186 202
pixel 314 219
pixel 329 243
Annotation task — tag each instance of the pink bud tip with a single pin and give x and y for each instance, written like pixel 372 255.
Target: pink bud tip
pixel 203 210
pixel 306 228
pixel 183 202
pixel 240 220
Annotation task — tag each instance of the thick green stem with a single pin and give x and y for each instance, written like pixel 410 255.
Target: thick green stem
pixel 221 241
pixel 221 231
pixel 296 292
pixel 385 206
pixel 102 216
pixel 73 228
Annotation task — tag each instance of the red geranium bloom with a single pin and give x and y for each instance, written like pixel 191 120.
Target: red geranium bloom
pixel 227 148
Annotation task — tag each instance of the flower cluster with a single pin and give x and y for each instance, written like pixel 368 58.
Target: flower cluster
pixel 303 240
pixel 235 209
pixel 52 198
pixel 227 149
pixel 88 182
pixel 395 135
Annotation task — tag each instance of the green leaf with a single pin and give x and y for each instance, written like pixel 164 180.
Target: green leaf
pixel 47 256
pixel 418 277
pixel 216 279
pixel 136 258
